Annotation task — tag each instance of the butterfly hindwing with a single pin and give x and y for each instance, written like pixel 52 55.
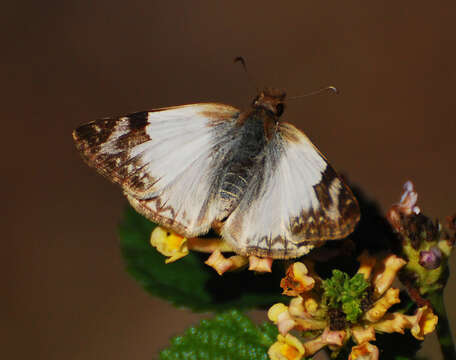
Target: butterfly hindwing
pixel 166 160
pixel 295 198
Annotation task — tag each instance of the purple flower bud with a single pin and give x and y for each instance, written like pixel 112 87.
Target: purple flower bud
pixel 431 259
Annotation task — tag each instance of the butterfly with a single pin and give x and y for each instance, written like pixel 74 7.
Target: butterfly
pixel 258 181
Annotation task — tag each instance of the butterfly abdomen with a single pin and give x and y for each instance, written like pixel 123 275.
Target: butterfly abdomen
pixel 240 163
pixel 234 183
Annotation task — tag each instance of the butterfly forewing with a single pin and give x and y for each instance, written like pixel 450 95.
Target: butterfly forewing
pixel 295 198
pixel 166 160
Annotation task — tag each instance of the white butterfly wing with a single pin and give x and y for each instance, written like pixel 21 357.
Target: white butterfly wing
pixel 165 160
pixel 295 198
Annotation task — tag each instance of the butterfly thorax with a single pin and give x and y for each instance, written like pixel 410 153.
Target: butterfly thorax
pixel 269 105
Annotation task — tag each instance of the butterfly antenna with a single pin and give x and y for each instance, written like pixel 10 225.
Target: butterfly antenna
pixel 331 88
pixel 251 80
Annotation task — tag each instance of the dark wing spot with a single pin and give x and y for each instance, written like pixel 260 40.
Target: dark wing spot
pixel 138 121
pixel 322 188
pixel 94 133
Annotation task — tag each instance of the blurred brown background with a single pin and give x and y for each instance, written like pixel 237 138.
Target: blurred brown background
pixel 63 63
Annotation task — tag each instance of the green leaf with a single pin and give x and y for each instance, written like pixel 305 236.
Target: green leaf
pixel 341 291
pixel 188 282
pixel 230 335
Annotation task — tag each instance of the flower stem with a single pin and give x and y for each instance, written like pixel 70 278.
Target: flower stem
pixel 443 326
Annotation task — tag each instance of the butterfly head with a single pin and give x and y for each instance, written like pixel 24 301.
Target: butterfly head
pixel 270 99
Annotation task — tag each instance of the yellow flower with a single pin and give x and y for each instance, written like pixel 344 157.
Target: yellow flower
pixel 382 305
pixel 390 323
pixel 327 338
pixel 304 305
pixel 423 322
pixel 294 317
pixel 258 264
pixel 363 333
pixel 221 264
pixel 287 347
pixel 296 280
pixel 365 351
pixel 275 311
pixel 169 244
pixel 385 276
pixel 280 315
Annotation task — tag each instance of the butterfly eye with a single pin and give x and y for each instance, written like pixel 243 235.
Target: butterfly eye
pixel 255 101
pixel 279 109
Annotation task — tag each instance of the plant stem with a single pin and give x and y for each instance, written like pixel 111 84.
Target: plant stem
pixel 443 326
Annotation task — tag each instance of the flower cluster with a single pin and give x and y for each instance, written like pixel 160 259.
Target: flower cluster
pixel 332 311
pixel 175 247
pixel 424 243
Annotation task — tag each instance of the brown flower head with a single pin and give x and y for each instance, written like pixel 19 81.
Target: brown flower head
pixel 424 244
